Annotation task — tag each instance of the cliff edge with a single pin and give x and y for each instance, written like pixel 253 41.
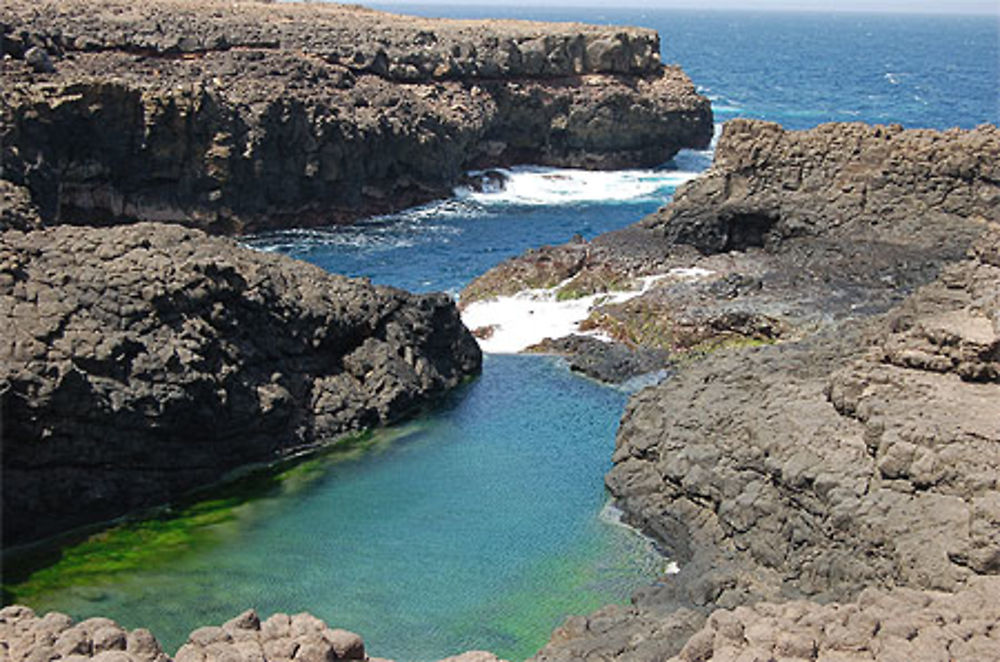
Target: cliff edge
pixel 236 117
pixel 143 361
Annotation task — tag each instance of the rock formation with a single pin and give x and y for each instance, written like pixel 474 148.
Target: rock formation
pixel 142 361
pixel 850 462
pixel 16 209
pixel 245 116
pixel 785 233
pixel 27 637
pixel 862 457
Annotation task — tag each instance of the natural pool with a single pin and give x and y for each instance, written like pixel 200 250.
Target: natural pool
pixel 476 527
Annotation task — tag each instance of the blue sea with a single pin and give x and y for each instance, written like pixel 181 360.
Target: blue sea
pixel 485 523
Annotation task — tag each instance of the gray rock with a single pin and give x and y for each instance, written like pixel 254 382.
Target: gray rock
pixel 346 645
pixel 143 646
pixel 109 638
pixel 209 634
pixel 17 212
pixel 74 641
pixel 157 345
pixel 39 61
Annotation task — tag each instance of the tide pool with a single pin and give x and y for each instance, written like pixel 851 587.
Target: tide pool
pixel 477 527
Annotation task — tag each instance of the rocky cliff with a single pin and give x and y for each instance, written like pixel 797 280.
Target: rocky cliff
pixel 142 361
pixel 830 493
pixel 863 457
pixel 244 116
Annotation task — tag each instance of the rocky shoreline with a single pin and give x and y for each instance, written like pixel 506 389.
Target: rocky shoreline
pixel 244 117
pixel 146 360
pixel 823 463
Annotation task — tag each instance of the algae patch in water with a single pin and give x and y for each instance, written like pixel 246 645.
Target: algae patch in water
pixel 83 560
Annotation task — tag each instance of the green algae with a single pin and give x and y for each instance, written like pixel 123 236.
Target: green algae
pixel 147 540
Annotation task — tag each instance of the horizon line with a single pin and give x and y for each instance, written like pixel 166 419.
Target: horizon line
pixel 885 11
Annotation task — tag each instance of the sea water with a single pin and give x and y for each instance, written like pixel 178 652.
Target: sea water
pixel 484 524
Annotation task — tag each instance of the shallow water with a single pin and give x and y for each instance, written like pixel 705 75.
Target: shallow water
pixel 476 527
pixel 480 526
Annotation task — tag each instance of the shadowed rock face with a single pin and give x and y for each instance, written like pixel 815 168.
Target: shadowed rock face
pixel 865 182
pixel 142 361
pixel 245 117
pixel 16 209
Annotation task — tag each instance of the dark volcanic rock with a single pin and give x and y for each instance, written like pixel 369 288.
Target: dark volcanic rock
pixel 608 362
pixel 142 361
pixel 838 180
pixel 16 209
pixel 243 117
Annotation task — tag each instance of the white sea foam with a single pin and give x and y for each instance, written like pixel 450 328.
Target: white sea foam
pixel 533 185
pixel 386 232
pixel 531 316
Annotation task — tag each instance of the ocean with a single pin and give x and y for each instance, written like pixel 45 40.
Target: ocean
pixel 484 524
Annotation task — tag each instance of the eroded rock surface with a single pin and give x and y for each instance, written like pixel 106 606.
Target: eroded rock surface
pixel 787 232
pixel 141 361
pixel 863 456
pixel 16 209
pixel 27 637
pixel 245 116
pixel 855 450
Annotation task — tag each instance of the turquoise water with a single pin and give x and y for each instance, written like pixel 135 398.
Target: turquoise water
pixel 480 526
pixel 477 527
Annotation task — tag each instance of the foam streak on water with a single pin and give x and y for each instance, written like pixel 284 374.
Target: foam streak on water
pixel 531 185
pixel 444 245
pixel 528 317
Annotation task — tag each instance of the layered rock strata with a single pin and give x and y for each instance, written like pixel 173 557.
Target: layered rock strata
pixel 237 117
pixel 142 361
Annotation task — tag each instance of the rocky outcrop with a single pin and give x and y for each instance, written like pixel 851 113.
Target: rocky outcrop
pixel 16 209
pixel 612 363
pixel 900 624
pixel 847 459
pixel 142 361
pixel 868 183
pixel 246 116
pixel 303 637
pixel 863 456
pixel 787 232
pixel 25 637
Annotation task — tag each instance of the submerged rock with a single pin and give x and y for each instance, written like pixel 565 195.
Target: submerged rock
pixel 249 116
pixel 607 362
pixel 140 362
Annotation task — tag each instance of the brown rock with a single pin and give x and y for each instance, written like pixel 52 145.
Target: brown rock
pixel 312 113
